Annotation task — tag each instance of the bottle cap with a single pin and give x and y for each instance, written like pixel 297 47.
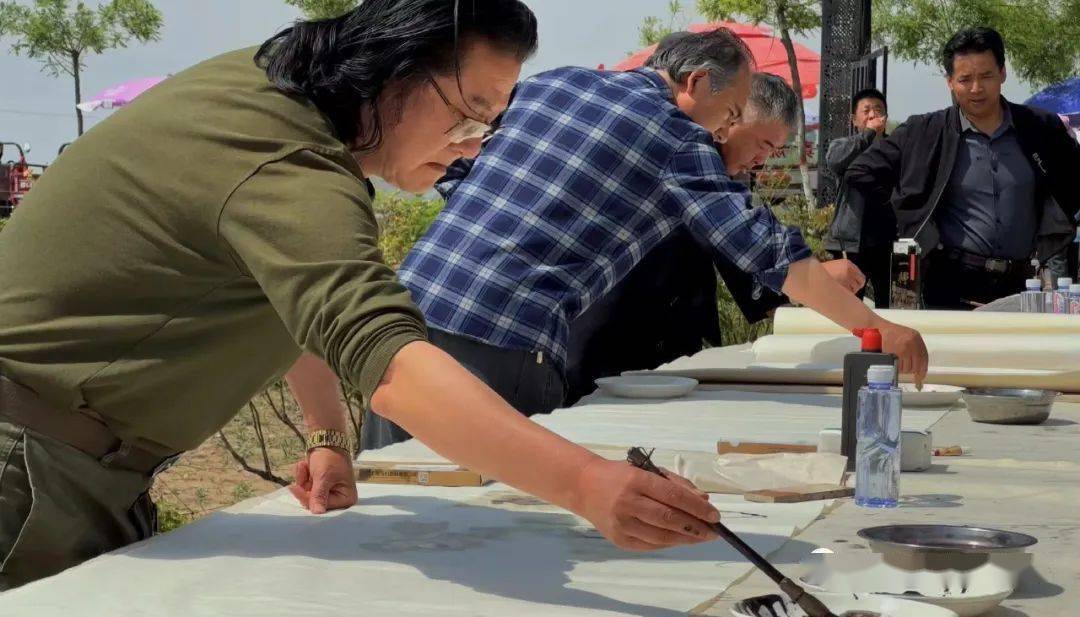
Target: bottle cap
pixel 880 373
pixel 1033 284
pixel 1064 282
pixel 871 338
pixel 1074 288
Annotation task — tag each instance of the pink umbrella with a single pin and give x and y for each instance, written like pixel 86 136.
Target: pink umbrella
pixel 768 52
pixel 120 95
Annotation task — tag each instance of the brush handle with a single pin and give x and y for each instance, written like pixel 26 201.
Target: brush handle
pixel 813 607
pixel 798 595
pixel 750 554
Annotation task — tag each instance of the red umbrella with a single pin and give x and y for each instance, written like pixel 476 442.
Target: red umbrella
pixel 768 52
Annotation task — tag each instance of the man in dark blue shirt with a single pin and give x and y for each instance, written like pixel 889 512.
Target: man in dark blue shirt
pixel 983 186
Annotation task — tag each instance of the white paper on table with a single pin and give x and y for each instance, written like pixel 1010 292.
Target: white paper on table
pixel 406 550
pixel 739 473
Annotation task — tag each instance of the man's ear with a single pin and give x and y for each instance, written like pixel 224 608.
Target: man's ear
pixel 697 80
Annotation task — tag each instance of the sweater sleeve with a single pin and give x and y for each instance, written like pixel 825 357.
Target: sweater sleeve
pixel 303 227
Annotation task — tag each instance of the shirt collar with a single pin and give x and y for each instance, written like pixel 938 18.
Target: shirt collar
pixel 1006 121
pixel 656 82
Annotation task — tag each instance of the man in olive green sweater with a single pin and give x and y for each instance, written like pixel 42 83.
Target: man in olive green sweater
pixel 164 305
pixel 197 244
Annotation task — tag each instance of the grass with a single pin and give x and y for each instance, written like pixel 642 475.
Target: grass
pixel 171 516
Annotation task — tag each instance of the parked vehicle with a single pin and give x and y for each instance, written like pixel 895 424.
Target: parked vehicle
pixel 16 175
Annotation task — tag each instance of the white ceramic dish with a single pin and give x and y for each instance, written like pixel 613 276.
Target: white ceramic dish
pixel 838 603
pixel 647 386
pixel 966 593
pixel 932 395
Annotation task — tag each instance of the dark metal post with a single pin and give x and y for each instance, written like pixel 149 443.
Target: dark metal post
pixel 845 38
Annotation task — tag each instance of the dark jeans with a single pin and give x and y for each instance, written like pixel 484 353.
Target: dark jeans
pixel 662 309
pixel 529 385
pixel 951 285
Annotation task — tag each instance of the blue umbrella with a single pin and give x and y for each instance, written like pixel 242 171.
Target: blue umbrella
pixel 1062 98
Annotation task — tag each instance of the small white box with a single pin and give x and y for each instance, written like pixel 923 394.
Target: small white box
pixel 915 450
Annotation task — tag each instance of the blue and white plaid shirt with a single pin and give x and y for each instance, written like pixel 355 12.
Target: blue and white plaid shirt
pixel 586 173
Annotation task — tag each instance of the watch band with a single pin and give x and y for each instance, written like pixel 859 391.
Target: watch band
pixel 328 438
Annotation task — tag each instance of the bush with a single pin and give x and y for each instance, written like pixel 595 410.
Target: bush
pixel 813 222
pixel 170 516
pixel 403 219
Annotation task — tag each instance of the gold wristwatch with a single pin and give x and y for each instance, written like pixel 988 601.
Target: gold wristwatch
pixel 328 438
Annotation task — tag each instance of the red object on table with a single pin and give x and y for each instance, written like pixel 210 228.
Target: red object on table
pixel 871 338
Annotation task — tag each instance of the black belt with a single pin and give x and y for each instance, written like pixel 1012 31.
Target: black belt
pixel 993 265
pixel 23 407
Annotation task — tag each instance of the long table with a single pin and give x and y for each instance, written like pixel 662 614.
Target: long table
pixel 490 550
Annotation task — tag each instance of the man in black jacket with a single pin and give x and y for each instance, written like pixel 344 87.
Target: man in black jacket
pixel 872 249
pixel 982 186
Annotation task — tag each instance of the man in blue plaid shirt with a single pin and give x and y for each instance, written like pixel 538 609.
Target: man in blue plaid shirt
pixel 586 172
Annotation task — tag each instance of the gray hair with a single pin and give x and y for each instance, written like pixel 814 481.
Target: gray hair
pixel 719 52
pixel 771 99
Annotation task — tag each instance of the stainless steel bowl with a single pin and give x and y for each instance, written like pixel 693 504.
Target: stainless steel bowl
pixel 1009 406
pixel 947 538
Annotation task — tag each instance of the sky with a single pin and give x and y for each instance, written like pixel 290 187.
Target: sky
pixel 39 109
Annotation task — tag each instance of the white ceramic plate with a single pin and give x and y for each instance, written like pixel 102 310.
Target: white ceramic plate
pixel 932 395
pixel 838 603
pixel 964 593
pixel 647 386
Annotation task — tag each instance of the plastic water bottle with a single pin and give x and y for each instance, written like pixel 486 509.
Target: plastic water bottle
pixel 877 458
pixel 1074 299
pixel 1033 299
pixel 1061 295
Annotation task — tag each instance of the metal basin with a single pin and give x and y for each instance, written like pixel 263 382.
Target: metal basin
pixel 947 538
pixel 1009 406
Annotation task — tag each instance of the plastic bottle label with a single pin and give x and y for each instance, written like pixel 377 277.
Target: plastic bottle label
pixel 1061 302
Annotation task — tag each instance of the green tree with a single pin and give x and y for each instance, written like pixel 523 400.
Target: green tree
pixel 323 9
pixel 1042 37
pixel 61 36
pixel 655 28
pixel 788 17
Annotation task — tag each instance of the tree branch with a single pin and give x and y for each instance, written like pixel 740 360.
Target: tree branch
pixel 256 420
pixel 265 475
pixel 283 415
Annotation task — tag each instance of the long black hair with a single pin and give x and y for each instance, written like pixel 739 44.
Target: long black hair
pixel 343 64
